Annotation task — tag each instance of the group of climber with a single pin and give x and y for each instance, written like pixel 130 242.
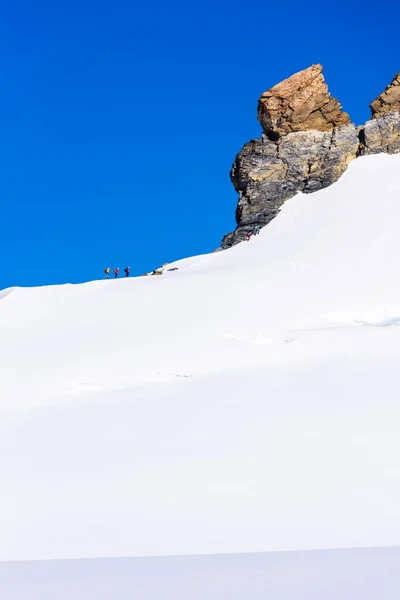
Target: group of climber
pixel 116 272
pixel 255 231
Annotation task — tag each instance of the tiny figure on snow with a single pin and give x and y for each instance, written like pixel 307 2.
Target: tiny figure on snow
pixel 249 234
pixel 107 272
pixel 116 272
pixel 256 230
pixel 127 269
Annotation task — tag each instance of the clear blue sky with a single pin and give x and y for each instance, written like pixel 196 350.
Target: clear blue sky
pixel 120 119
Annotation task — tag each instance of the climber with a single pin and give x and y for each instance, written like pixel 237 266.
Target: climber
pixel 107 272
pixel 249 234
pixel 256 230
pixel 127 269
pixel 116 271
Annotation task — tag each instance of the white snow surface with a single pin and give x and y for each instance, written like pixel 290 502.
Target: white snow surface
pixel 248 402
pixel 366 574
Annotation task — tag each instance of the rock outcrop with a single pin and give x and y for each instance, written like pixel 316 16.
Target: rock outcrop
pixel 300 103
pixel 307 144
pixel 382 133
pixel 388 101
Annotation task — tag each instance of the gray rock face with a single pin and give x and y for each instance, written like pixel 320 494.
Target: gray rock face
pixel 266 173
pixel 305 147
pixel 382 134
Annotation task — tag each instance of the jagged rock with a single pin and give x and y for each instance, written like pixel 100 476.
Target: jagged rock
pixel 388 101
pixel 266 173
pixel 382 134
pixel 300 103
pixel 307 144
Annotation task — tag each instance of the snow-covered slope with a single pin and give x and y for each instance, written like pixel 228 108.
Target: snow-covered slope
pixel 247 402
pixel 356 574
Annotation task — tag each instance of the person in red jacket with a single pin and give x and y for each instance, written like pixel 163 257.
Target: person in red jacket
pixel 249 234
pixel 116 271
pixel 127 269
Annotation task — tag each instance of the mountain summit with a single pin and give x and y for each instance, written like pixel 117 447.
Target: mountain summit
pixel 306 145
pixel 300 103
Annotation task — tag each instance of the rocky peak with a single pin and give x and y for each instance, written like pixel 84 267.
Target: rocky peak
pixel 307 144
pixel 300 103
pixel 389 100
pixel 382 132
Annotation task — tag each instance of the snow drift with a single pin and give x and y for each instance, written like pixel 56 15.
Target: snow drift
pixel 246 402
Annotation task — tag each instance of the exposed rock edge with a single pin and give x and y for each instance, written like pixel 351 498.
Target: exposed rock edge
pixel 306 145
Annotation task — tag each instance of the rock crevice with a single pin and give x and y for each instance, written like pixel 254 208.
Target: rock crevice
pixel 306 145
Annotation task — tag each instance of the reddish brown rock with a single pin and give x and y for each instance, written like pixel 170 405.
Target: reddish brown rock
pixel 389 100
pixel 300 103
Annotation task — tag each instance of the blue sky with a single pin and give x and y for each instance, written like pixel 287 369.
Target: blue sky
pixel 120 120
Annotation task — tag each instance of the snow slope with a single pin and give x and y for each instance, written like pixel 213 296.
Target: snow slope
pixel 247 402
pixel 366 574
